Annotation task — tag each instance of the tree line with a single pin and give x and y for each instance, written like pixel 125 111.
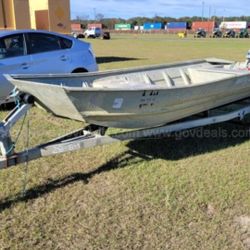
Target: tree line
pixel 109 23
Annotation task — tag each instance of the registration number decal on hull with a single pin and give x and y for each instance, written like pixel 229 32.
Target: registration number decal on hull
pixel 148 98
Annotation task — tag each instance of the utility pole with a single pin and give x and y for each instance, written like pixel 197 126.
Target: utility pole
pixel 224 15
pixel 202 11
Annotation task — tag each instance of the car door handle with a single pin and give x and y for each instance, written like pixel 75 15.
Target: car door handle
pixel 63 58
pixel 25 65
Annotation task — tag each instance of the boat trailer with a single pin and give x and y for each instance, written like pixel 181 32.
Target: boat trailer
pixel 89 137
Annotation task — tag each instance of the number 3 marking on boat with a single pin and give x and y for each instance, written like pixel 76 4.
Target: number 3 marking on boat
pixel 117 104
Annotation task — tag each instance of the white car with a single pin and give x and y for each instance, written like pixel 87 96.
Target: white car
pixel 40 52
pixel 93 32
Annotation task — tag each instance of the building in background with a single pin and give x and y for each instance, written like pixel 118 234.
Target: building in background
pixel 123 26
pixel 14 14
pixel 53 15
pixel 208 26
pixel 94 25
pixel 152 26
pixel 237 25
pixel 175 27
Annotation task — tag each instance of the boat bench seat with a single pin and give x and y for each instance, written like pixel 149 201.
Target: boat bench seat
pixel 198 76
pixel 124 82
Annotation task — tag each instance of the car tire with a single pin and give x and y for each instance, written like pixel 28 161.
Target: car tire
pixel 79 70
pixel 80 36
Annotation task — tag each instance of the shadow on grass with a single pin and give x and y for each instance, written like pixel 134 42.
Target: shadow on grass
pixel 193 142
pixel 119 161
pixel 175 147
pixel 110 59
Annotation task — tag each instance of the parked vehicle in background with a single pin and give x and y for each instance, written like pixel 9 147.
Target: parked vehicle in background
pixel 243 34
pixel 217 33
pixel 106 35
pixel 182 34
pixel 200 33
pixel 229 33
pixel 77 30
pixel 93 32
pixel 77 35
pixel 96 32
pixel 38 52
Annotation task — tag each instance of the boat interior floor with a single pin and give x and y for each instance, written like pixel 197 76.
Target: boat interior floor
pixel 170 78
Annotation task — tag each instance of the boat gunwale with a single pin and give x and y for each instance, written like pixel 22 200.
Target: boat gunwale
pixel 147 87
pixel 107 72
pixel 155 87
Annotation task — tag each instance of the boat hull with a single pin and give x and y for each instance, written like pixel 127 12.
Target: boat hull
pixel 150 108
pixel 137 108
pixel 142 106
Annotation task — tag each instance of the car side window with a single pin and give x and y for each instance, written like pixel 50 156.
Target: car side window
pixel 39 43
pixel 66 43
pixel 12 46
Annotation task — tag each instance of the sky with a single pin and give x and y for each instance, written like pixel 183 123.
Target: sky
pixel 149 8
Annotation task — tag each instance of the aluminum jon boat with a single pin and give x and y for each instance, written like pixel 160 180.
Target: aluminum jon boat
pixel 139 97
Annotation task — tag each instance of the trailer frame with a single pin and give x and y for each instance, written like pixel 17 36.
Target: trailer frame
pixel 88 138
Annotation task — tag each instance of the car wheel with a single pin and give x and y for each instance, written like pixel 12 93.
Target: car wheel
pixel 79 70
pixel 80 36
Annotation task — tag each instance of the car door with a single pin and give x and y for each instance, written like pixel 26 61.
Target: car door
pixel 47 54
pixel 13 60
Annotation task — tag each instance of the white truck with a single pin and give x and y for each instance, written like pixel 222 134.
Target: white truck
pixel 93 32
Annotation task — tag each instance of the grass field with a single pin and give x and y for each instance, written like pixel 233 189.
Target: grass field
pixel 187 191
